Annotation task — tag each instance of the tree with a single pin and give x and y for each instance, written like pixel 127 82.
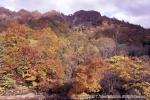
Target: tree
pixel 106 46
pixel 88 74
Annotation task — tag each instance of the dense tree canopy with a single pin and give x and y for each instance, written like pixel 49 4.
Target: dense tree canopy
pixel 54 59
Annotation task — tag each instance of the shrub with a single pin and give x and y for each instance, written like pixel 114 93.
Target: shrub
pixel 6 82
pixel 126 76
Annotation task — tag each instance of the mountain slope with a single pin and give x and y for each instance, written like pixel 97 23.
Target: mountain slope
pixel 135 37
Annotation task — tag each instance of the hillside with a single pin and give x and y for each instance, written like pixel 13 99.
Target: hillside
pixel 90 22
pixel 55 56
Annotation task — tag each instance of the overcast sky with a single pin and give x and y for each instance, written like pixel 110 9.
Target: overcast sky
pixel 134 11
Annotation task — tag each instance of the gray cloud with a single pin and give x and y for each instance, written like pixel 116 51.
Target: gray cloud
pixel 134 7
pixel 35 5
pixel 134 11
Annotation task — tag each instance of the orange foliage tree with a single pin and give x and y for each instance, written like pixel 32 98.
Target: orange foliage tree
pixel 29 59
pixel 88 74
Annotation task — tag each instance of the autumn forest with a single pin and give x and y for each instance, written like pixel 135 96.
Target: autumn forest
pixel 53 56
